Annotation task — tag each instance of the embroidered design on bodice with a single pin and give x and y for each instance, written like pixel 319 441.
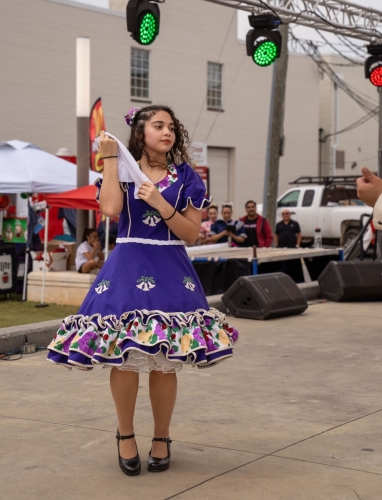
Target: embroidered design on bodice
pixel 146 283
pixel 171 177
pixel 151 217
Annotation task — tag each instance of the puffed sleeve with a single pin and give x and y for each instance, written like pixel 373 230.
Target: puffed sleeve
pixel 98 184
pixel 194 190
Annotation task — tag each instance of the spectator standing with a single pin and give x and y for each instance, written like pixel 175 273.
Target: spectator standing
pixel 227 230
pixel 288 232
pixel 256 227
pixel 205 227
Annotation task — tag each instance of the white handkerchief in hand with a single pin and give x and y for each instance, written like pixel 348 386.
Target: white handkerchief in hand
pixel 128 168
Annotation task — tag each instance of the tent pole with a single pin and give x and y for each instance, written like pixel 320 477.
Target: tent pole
pixel 42 304
pixel 25 275
pixel 107 231
pixel 91 218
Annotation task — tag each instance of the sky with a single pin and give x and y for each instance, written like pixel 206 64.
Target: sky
pixel 309 33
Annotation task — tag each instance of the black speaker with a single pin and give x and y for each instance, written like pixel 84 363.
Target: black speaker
pixel 264 296
pixel 351 281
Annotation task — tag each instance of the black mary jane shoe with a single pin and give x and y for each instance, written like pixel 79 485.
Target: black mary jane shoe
pixel 130 466
pixel 159 464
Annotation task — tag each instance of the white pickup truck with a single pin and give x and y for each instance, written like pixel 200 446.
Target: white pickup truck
pixel 328 203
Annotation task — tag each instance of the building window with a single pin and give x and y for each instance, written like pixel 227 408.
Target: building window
pixel 140 73
pixel 214 85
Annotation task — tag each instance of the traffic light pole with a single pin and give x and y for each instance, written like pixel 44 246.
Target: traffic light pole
pixel 379 233
pixel 380 134
pixel 275 130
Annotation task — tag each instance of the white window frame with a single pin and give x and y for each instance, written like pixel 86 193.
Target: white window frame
pixel 136 91
pixel 214 84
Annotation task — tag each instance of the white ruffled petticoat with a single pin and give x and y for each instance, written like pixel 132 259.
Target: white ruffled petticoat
pixel 139 361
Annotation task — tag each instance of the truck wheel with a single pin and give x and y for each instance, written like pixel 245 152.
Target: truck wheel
pixel 350 235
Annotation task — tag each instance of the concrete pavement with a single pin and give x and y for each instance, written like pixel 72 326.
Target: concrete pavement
pixel 296 414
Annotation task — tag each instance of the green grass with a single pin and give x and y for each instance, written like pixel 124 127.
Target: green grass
pixel 14 313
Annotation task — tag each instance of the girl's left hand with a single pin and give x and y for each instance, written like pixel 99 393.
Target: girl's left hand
pixel 150 194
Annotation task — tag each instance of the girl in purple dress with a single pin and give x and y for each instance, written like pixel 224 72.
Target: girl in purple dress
pixel 146 310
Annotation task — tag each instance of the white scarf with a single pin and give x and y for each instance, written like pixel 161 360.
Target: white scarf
pixel 128 168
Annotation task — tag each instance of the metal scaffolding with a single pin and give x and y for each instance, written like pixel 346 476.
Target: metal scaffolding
pixel 336 16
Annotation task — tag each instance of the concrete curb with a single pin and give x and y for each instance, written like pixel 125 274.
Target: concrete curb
pixel 41 334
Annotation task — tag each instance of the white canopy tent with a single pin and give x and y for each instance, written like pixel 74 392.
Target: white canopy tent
pixel 25 168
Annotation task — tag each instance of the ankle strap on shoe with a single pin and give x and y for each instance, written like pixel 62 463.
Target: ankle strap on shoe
pixel 119 437
pixel 164 440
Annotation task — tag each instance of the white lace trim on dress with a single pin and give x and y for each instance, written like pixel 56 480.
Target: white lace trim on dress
pixel 148 241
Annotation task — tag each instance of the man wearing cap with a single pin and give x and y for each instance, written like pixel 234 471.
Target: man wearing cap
pixel 288 232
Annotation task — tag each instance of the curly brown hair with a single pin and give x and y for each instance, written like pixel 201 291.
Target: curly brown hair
pixel 136 146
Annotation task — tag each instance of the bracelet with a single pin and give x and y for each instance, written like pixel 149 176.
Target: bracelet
pixel 171 216
pixel 104 157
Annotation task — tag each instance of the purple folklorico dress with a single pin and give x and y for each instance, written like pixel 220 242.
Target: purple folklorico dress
pixel 146 309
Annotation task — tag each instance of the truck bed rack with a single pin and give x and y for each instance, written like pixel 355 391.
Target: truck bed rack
pixel 326 180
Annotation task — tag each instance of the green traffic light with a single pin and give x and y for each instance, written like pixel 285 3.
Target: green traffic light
pixel 148 28
pixel 265 54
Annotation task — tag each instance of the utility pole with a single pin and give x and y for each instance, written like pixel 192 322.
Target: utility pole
pixel 275 130
pixel 83 112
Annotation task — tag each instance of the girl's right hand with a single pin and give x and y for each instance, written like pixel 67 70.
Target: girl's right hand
pixel 107 145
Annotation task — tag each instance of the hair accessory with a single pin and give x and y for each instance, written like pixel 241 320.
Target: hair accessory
pixel 214 205
pixel 131 115
pixel 227 204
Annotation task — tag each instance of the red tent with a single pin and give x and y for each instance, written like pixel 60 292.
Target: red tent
pixel 82 198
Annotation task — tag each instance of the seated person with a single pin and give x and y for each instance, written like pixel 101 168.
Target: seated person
pixel 227 230
pixel 112 243
pixel 89 254
pixel 113 230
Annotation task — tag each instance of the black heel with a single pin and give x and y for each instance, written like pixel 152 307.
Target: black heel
pixel 130 466
pixel 159 464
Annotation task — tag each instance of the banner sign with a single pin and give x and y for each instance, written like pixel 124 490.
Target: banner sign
pixel 97 124
pixel 199 159
pixel 15 230
pixel 6 281
pixel 199 156
pixel 203 172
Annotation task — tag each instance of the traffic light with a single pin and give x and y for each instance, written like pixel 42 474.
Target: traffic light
pixel 143 19
pixel 373 65
pixel 264 41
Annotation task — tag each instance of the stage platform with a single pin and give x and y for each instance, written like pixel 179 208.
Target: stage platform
pixel 221 252
pixel 217 266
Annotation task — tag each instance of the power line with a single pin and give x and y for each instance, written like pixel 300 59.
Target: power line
pixel 225 97
pixel 355 63
pixel 354 125
pixel 220 54
pixel 312 51
pixel 352 46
